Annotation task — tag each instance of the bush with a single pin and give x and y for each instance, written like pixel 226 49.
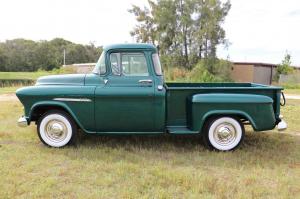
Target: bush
pixel 285 67
pixel 204 71
pixel 212 71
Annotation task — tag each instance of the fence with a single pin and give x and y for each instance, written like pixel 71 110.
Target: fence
pixel 290 79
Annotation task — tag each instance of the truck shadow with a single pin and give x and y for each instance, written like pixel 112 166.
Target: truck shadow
pixel 252 140
pixel 153 142
pixel 264 149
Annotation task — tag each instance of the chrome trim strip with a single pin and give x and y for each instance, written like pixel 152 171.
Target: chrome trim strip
pixel 73 99
pixel 149 81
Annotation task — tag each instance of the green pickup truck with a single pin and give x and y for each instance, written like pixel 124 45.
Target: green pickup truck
pixel 126 94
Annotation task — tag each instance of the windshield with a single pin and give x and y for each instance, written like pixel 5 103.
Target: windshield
pixel 100 67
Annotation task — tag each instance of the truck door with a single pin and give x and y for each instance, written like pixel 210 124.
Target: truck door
pixel 126 102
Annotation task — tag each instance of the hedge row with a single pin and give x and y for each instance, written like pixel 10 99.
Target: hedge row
pixel 16 82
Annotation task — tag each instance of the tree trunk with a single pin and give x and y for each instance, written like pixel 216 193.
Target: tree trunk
pixel 185 48
pixel 206 48
pixel 200 52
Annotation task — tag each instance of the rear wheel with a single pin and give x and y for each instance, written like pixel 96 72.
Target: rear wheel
pixel 223 133
pixel 56 129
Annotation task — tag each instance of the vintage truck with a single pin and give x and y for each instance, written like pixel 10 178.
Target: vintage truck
pixel 126 94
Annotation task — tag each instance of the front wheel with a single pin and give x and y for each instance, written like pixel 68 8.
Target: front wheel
pixel 56 129
pixel 223 133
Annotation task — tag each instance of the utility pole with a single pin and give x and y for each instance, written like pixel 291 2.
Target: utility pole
pixel 64 57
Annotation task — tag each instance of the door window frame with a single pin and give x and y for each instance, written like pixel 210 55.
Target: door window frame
pixel 127 51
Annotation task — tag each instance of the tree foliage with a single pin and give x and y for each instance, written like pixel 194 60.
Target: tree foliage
pixel 185 30
pixel 27 55
pixel 285 67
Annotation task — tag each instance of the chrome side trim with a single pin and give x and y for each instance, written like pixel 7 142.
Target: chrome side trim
pixel 73 99
pixel 149 81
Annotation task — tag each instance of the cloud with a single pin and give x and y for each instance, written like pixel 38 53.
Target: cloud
pixel 294 13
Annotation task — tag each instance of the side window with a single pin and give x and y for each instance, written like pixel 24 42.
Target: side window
pixel 134 64
pixel 129 64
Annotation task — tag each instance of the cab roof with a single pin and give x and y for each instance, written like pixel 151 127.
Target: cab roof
pixel 130 46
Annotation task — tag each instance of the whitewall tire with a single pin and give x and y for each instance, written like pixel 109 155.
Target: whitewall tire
pixel 223 133
pixel 56 129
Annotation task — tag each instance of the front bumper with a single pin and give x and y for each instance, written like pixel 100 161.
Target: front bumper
pixel 22 122
pixel 282 125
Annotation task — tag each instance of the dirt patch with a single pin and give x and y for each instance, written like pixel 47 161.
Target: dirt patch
pixel 297 97
pixel 8 97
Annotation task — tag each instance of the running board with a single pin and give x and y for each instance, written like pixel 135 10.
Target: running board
pixel 180 130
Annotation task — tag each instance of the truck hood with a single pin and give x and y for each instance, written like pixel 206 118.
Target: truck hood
pixel 74 79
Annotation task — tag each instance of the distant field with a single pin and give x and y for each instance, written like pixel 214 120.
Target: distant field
pixel 19 79
pixel 23 75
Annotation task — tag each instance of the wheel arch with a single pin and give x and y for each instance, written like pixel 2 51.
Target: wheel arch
pixel 227 113
pixel 38 109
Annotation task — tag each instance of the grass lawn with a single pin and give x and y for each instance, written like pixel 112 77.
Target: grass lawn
pixel 266 166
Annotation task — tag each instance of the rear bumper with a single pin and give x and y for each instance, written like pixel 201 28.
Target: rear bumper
pixel 22 122
pixel 282 125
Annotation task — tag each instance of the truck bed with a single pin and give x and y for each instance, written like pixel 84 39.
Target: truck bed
pixel 179 93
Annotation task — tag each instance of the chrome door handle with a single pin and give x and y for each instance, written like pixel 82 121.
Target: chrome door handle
pixel 143 81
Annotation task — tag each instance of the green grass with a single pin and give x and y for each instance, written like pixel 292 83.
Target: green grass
pixel 23 75
pixel 266 166
pixel 35 75
pixel 7 90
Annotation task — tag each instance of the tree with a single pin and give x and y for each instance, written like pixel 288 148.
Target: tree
pixel 27 55
pixel 285 67
pixel 145 30
pixel 3 59
pixel 186 30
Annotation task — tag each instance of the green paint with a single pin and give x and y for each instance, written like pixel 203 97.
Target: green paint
pixel 110 103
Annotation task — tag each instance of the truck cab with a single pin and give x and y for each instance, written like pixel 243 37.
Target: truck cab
pixel 126 94
pixel 131 82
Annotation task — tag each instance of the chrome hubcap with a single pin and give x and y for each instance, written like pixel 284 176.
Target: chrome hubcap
pixel 225 134
pixel 56 130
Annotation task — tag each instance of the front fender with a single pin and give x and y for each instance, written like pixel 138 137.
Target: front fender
pixel 82 123
pixel 77 100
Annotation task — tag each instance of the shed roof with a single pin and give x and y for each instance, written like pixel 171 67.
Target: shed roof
pixel 261 64
pixel 255 64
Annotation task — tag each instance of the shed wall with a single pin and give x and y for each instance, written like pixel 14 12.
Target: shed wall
pixel 242 73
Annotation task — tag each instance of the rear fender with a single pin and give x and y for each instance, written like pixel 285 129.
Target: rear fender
pixel 258 109
pixel 230 113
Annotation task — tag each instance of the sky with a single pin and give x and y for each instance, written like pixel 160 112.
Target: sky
pixel 258 30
